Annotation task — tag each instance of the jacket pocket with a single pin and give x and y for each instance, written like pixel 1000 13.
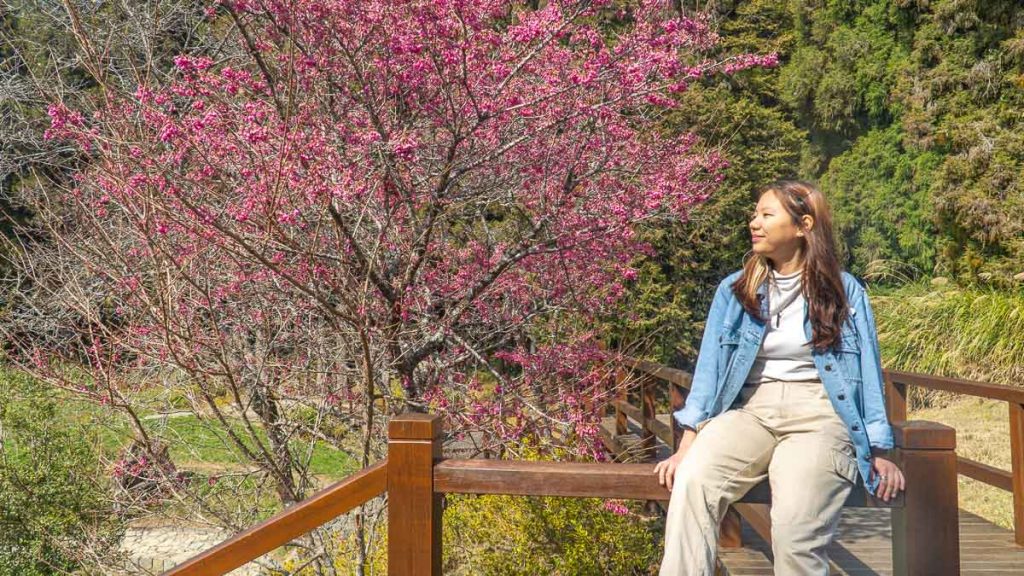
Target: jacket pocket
pixel 848 340
pixel 728 343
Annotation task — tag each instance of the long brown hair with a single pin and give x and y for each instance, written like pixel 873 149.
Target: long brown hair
pixel 822 280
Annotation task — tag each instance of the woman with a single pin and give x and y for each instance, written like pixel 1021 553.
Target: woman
pixel 788 386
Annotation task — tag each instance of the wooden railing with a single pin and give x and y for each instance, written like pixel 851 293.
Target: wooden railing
pixel 415 478
pixel 653 377
pixel 281 529
pixel 1009 480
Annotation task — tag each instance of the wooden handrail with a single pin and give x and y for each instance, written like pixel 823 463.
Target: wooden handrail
pixel 288 525
pixel 1009 480
pixel 925 522
pixel 415 477
pixel 529 478
pixel 984 473
pixel 583 480
pixel 659 371
pixel 931 382
pixel 896 383
pixel 958 386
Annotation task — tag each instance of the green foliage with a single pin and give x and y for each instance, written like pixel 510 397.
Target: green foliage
pixel 962 99
pixel 662 316
pixel 906 113
pixel 879 195
pixel 966 333
pixel 524 536
pixel 51 491
pixel 206 441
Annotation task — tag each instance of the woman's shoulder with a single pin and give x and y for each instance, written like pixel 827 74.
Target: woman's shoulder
pixel 727 282
pixel 854 286
pixel 731 278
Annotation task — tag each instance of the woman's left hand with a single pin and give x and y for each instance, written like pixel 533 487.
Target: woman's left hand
pixel 891 480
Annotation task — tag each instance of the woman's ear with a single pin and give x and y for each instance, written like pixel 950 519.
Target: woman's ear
pixel 807 223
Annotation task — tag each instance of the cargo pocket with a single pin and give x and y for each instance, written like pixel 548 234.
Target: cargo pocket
pixel 844 462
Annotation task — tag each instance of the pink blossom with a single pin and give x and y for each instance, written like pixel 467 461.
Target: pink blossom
pixel 447 177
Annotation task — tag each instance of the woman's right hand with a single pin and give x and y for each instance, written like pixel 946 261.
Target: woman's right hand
pixel 666 469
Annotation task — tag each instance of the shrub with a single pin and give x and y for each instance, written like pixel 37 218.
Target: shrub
pixel 50 498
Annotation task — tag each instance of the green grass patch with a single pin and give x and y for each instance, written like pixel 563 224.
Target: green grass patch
pixel 194 442
pixel 206 441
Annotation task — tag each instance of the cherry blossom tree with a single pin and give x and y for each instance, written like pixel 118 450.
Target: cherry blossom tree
pixel 377 207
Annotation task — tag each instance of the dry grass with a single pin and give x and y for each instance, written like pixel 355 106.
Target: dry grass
pixel 982 434
pixel 972 334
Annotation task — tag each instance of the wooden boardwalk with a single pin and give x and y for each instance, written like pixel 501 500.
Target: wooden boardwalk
pixel 863 547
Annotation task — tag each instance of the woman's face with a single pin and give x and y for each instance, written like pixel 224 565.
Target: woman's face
pixel 774 235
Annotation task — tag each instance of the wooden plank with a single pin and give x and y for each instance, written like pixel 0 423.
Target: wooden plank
pixel 677 399
pixel 1017 465
pixel 662 430
pixel 414 507
pixel 925 532
pixel 895 399
pixel 613 445
pixel 621 420
pixel 863 546
pixel 923 435
pixel 759 518
pixel 649 421
pixel 659 371
pixel 971 388
pixel 984 473
pixel 730 530
pixel 288 525
pixel 529 478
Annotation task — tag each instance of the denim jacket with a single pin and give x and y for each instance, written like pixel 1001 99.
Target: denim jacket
pixel 851 373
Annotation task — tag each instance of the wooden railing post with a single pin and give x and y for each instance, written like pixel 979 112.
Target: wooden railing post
pixel 677 399
pixel 621 420
pixel 895 399
pixel 1017 469
pixel 648 442
pixel 414 510
pixel 926 531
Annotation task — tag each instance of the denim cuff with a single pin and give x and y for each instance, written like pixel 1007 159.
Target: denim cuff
pixel 880 435
pixel 690 416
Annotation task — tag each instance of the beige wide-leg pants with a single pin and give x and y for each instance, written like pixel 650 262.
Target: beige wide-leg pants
pixel 786 431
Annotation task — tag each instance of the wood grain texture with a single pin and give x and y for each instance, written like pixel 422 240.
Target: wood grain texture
pixel 984 473
pixel 660 429
pixel 524 478
pixel 1017 464
pixel 621 418
pixel 863 546
pixel 925 532
pixel 729 533
pixel 649 421
pixel 414 508
pixel 659 371
pixel 924 435
pixel 677 399
pixel 895 399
